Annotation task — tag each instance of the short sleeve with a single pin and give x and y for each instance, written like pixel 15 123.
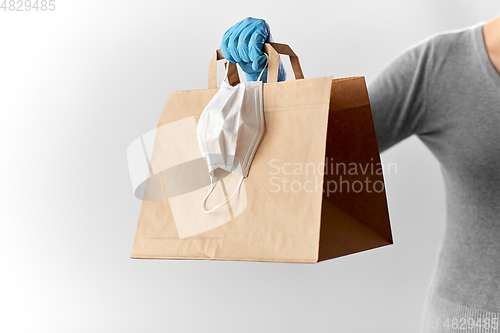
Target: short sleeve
pixel 398 96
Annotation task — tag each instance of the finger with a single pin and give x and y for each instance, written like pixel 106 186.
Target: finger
pixel 232 44
pixel 224 44
pixel 246 67
pixel 227 48
pixel 256 44
pixel 259 62
pixel 269 38
pixel 247 37
pixel 243 41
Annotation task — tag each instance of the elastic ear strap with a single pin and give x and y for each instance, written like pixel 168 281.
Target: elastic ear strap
pixel 212 186
pixel 227 71
pixel 267 61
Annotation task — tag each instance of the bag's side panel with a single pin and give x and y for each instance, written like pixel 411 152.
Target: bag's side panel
pixel 341 234
pixel 354 182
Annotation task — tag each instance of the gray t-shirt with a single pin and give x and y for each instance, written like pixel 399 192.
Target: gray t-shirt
pixel 447 92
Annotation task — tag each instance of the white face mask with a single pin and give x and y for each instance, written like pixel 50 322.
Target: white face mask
pixel 230 129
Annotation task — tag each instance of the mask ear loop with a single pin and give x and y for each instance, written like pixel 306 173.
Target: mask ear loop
pixel 227 71
pixel 262 72
pixel 212 186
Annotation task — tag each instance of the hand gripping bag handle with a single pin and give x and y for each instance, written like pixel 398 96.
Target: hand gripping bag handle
pixel 272 49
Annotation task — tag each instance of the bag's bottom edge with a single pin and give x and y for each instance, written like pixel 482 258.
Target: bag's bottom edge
pixel 289 261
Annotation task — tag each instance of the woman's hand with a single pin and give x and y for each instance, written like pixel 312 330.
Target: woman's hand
pixel 242 44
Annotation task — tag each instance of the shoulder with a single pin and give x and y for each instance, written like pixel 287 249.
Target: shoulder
pixel 443 45
pixel 429 58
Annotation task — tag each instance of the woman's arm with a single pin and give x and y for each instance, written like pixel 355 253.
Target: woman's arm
pixel 399 96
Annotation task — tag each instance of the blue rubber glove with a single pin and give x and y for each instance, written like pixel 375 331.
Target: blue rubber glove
pixel 243 43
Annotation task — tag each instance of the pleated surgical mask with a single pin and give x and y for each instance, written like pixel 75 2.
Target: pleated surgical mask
pixel 230 129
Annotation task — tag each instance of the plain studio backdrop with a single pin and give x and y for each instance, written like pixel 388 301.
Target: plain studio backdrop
pixel 79 84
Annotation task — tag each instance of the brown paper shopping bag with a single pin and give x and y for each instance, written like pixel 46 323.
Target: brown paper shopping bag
pixel 315 190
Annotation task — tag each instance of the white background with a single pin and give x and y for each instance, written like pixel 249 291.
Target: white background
pixel 79 84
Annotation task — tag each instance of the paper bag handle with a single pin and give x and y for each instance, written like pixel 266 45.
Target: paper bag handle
pixel 273 49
